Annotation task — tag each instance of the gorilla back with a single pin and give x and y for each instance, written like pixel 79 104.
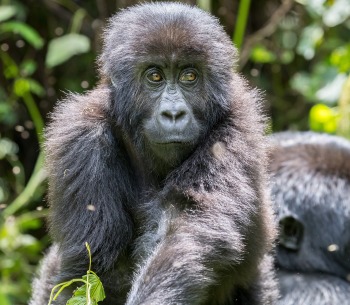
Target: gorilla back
pixel 312 195
pixel 161 169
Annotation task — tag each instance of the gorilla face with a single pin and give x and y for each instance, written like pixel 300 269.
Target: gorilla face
pixel 168 90
pixel 172 129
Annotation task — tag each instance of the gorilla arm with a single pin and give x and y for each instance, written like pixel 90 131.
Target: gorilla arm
pixel 87 193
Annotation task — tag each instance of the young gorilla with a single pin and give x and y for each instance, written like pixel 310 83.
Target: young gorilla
pixel 312 193
pixel 161 169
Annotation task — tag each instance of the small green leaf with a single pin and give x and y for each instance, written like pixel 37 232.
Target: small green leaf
pixel 96 291
pixel 63 48
pixel 91 292
pixel 27 32
pixel 7 12
pixel 79 300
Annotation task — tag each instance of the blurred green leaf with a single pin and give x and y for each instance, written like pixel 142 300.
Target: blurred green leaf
pixel 301 82
pixel 322 84
pixel 7 114
pixel 262 55
pixel 315 7
pixel 7 12
pixel 311 36
pixel 289 39
pixel 35 87
pixel 10 67
pixel 286 57
pixel 340 58
pixel 26 31
pixel 204 5
pixel 7 147
pixel 30 224
pixel 331 91
pixel 323 118
pixel 63 48
pixel 21 87
pixel 3 299
pixel 336 13
pixel 28 67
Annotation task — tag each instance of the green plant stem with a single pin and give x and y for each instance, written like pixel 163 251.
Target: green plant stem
pixel 241 22
pixel 63 286
pixel 35 115
pixel 343 128
pixel 27 194
pixel 77 21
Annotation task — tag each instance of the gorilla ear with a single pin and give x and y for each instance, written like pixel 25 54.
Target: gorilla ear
pixel 291 232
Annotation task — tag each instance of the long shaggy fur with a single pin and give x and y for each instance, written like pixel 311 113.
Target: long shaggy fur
pixel 311 182
pixel 195 233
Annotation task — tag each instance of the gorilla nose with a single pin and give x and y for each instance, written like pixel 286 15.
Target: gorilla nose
pixel 174 118
pixel 173 115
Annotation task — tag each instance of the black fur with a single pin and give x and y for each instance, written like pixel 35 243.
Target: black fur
pixel 188 222
pixel 312 194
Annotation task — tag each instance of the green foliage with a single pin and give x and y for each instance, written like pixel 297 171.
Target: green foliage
pixel 25 83
pixel 325 82
pixel 27 32
pixel 314 44
pixel 89 293
pixel 18 250
pixel 62 48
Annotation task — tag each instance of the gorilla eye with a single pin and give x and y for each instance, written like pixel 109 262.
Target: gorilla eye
pixel 154 77
pixel 188 77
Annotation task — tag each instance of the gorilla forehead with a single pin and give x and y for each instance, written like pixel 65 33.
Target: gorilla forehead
pixel 167 31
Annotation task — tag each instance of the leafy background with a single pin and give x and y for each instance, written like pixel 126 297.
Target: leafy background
pixel 297 51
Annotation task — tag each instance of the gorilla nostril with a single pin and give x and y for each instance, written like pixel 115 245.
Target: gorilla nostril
pixel 180 115
pixel 167 115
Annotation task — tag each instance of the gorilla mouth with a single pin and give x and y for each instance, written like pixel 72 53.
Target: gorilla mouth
pixel 174 140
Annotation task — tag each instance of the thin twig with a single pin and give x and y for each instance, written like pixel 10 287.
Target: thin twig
pixel 266 31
